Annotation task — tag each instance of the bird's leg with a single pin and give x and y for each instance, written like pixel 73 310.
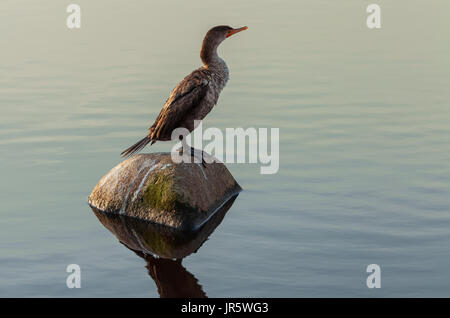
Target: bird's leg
pixel 184 149
pixel 194 153
pixel 187 150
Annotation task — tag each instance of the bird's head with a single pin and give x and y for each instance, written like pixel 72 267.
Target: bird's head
pixel 215 36
pixel 219 33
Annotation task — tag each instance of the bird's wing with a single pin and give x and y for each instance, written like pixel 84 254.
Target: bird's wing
pixel 184 97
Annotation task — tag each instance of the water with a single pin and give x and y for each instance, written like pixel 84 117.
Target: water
pixel 364 143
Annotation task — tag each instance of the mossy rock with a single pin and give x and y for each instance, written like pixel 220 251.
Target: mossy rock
pixel 152 187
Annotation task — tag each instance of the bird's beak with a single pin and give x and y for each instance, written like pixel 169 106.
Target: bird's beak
pixel 234 31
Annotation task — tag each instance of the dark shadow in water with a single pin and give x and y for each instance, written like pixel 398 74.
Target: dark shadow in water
pixel 163 249
pixel 171 278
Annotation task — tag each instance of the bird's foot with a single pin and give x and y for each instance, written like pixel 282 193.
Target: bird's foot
pixel 196 155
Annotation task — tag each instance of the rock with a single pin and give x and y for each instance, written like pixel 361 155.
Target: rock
pixel 152 187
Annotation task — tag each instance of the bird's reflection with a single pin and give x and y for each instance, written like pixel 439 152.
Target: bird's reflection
pixel 171 278
pixel 164 248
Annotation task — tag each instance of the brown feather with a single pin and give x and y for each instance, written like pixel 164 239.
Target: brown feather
pixel 137 146
pixel 184 98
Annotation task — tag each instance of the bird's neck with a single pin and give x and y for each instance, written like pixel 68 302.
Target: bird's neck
pixel 214 63
pixel 209 55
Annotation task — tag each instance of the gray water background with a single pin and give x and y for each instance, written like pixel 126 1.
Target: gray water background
pixel 364 143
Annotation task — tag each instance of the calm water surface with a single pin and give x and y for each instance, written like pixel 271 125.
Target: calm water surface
pixel 364 143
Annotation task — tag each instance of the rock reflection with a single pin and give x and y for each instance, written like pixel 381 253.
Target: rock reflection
pixel 164 248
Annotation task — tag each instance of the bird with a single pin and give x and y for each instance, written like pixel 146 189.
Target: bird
pixel 195 96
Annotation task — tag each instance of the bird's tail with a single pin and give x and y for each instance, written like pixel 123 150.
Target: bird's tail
pixel 137 146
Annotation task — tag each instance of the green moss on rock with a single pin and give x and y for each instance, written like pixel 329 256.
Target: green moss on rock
pixel 160 193
pixel 163 195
